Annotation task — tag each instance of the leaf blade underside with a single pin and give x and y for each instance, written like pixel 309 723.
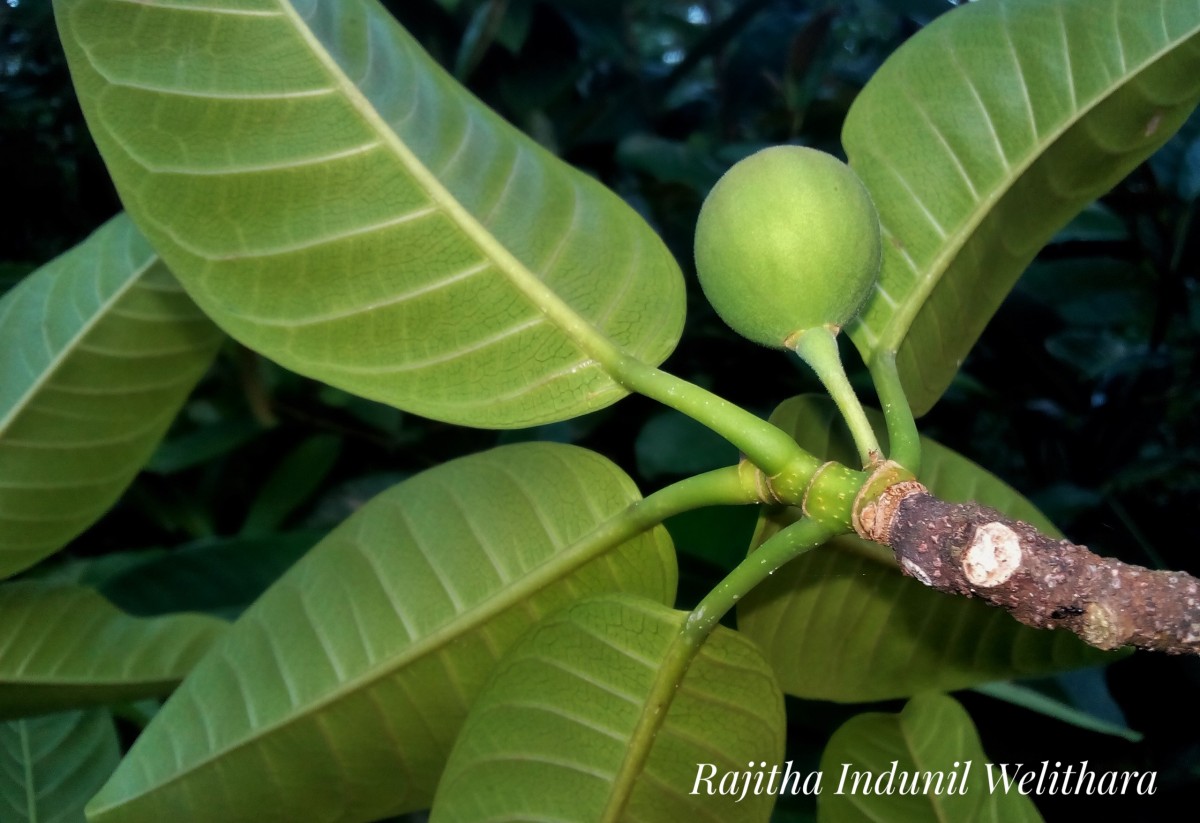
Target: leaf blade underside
pixel 940 769
pixel 67 647
pixel 339 693
pixel 100 349
pixel 573 700
pixel 337 202
pixel 51 765
pixel 983 135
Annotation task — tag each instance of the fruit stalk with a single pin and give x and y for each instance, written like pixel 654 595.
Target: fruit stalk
pixel 818 348
pixel 904 441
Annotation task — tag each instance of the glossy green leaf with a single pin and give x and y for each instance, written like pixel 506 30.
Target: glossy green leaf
pixel 294 481
pixel 983 135
pixel 218 576
pixel 338 694
pixel 716 535
pixel 673 444
pixel 933 743
pixel 98 350
pixel 66 647
pixel 578 725
pixel 337 202
pixel 50 766
pixel 842 623
pixel 210 442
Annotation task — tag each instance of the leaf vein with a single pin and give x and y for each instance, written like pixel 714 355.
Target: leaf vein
pixel 302 245
pixel 254 168
pixel 161 4
pixel 395 299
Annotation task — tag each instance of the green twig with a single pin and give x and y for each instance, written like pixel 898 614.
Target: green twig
pixel 904 442
pixel 793 541
pixel 765 445
pixel 727 486
pixel 787 544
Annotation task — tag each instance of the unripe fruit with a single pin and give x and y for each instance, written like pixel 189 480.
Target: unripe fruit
pixel 787 240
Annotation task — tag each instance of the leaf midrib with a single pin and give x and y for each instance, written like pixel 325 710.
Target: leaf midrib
pixel 677 661
pixel 900 324
pixel 541 577
pixel 590 339
pixel 72 343
pixel 27 758
pixel 935 800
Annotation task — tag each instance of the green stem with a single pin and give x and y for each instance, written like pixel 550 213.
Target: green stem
pixel 904 441
pixel 791 542
pixel 818 348
pixel 727 486
pixel 765 445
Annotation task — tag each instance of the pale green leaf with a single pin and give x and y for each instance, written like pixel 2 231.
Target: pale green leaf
pixel 339 203
pixel 98 350
pixel 923 765
pixel 66 647
pixel 338 694
pixel 50 766
pixel 579 725
pixel 842 623
pixel 983 135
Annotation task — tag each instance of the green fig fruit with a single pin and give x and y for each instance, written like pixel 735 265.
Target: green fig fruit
pixel 787 240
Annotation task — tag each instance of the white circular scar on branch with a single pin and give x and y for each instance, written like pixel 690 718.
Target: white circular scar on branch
pixel 993 556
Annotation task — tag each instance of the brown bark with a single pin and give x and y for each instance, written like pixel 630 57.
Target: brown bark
pixel 974 551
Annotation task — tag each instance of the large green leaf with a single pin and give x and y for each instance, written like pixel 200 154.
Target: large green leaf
pixel 218 576
pixel 50 766
pixel 932 747
pixel 842 623
pixel 338 202
pixel 338 694
pixel 578 724
pixel 66 646
pixel 98 350
pixel 984 134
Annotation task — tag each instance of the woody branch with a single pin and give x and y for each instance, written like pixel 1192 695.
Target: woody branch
pixel 971 550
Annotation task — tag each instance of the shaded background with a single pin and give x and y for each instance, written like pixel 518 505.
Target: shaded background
pixel 1083 392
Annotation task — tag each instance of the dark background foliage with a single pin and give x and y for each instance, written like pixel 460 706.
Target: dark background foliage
pixel 1083 392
